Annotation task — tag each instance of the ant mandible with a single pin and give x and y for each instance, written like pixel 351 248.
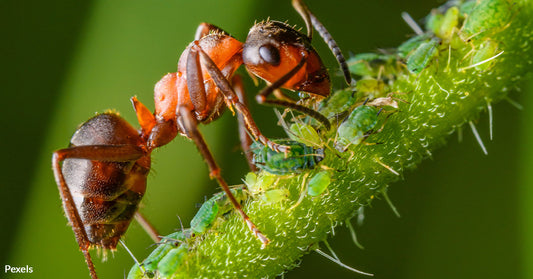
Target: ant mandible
pixel 103 175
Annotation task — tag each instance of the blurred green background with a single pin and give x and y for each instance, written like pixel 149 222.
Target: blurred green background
pixel 464 214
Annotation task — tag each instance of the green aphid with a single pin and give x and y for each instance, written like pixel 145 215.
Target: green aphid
pixel 136 273
pixel 170 263
pixel 467 7
pixel 258 184
pixel 275 195
pixel 487 16
pixel 372 64
pixel 369 88
pixel 356 127
pixel 339 102
pixel 487 50
pixel 299 158
pixel 449 23
pixel 319 183
pixel 304 133
pixel 413 43
pixel 434 21
pixel 213 208
pixel 419 59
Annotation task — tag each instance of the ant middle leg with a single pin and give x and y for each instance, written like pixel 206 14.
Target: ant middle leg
pixel 196 87
pixel 188 123
pixel 246 140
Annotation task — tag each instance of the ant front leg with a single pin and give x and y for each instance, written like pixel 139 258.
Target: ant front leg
pixel 188 123
pixel 246 140
pixel 205 28
pixel 263 95
pixel 196 87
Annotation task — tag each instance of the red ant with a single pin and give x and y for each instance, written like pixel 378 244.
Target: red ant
pixel 103 175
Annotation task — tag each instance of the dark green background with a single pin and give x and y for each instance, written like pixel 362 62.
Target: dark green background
pixel 464 214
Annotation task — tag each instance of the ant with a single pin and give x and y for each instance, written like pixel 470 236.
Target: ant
pixel 103 175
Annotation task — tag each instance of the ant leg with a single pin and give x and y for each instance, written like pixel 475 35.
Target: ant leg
pixel 263 94
pixel 147 226
pixel 246 141
pixel 310 22
pixel 144 116
pixel 189 124
pixel 229 95
pixel 205 28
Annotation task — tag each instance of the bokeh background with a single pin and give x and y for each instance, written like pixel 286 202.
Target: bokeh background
pixel 464 214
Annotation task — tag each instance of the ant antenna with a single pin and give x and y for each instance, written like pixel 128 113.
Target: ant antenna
pixel 478 138
pixel 340 263
pixel 412 23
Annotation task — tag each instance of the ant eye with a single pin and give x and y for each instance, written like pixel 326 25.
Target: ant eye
pixel 270 54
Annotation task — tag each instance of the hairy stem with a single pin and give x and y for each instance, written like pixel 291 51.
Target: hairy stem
pixel 457 83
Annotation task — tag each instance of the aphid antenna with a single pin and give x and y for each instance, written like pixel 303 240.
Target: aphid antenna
pixel 386 166
pixel 489 110
pixel 391 205
pixel 320 252
pixel 303 192
pixel 353 234
pixel 481 62
pixel 131 254
pixel 514 103
pixel 412 23
pixel 447 69
pixel 331 250
pixel 478 138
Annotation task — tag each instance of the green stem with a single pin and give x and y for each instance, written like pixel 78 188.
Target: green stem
pixel 448 93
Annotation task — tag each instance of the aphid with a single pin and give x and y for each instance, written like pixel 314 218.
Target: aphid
pixel 419 59
pixel 318 183
pixel 215 207
pixel 258 184
pixel 370 88
pixel 487 16
pixel 356 127
pixel 305 134
pixel 444 25
pixel 412 44
pixel 340 102
pixel 483 58
pixel 299 158
pixel 150 266
pixel 172 261
pixel 373 65
pixel 106 166
pixel 275 195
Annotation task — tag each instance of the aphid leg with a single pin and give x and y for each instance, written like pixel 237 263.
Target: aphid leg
pixel 354 235
pixel 391 205
pixel 229 95
pixel 262 96
pixel 331 250
pixel 131 254
pixel 310 22
pixel 478 138
pixel 147 226
pixel 188 122
pixel 246 140
pixel 115 153
pixel 489 109
pixel 303 192
pixel 340 263
pixel 412 23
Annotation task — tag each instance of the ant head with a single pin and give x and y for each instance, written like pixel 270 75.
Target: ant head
pixel 273 48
